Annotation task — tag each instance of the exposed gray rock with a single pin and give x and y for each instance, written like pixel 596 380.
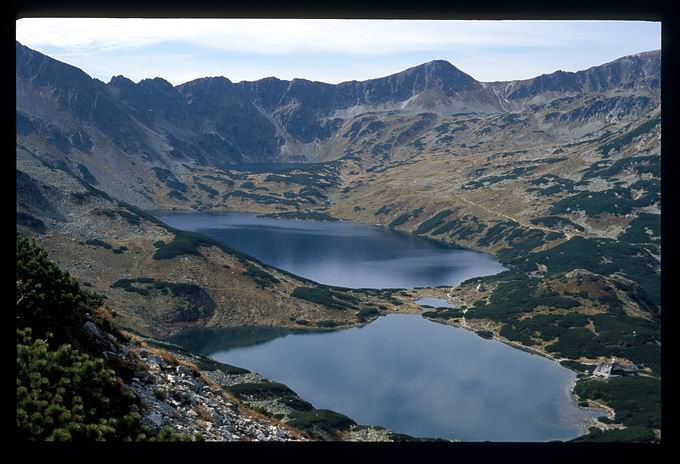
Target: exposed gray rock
pixel 156 419
pixel 92 329
pixel 184 370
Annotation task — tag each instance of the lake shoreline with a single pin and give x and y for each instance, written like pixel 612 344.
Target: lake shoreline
pixel 583 421
pixel 450 245
pixel 264 214
pixel 586 421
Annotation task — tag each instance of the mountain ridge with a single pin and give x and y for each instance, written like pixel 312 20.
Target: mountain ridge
pixel 130 128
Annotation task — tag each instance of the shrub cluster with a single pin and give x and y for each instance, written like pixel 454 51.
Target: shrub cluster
pixel 47 298
pixel 326 296
pixel 64 394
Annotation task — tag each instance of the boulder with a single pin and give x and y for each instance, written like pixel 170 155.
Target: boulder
pixel 92 328
pixel 156 419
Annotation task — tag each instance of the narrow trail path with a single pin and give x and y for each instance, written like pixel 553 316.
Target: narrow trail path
pixel 569 235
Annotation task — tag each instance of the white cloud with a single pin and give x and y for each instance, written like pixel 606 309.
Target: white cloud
pixel 275 36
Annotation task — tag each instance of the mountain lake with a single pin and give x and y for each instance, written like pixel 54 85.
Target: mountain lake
pixel 401 371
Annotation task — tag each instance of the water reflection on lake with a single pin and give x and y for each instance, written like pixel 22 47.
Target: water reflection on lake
pixel 344 254
pixel 417 377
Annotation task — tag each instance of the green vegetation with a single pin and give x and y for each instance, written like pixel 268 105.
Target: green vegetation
pixel 576 366
pixel 639 164
pixel 126 285
pixel 129 217
pixel 47 298
pixel 490 180
pixel 87 175
pixel 228 182
pixel 136 214
pixel 449 127
pixel 101 244
pixel 206 188
pixel 194 301
pixel 636 231
pixel 618 142
pixel 433 222
pixel 399 220
pixel 367 313
pixel 309 176
pixel 515 295
pixel 312 215
pixel 559 184
pixel 383 210
pixel 495 232
pixel 556 221
pixel 262 278
pixel 449 313
pixel 637 434
pixel 636 400
pixel 260 390
pixel 326 296
pixel 296 402
pixel 418 144
pixel 601 256
pixel 198 305
pixel 98 243
pixel 204 363
pixel 485 334
pixel 28 220
pixel 617 335
pixel 554 236
pixel 177 195
pixel 260 199
pixel 327 324
pixel 184 243
pixel 486 181
pixel 168 178
pixel 64 394
pixel 461 228
pixel 521 241
pixel 543 326
pixel 404 217
pixel 323 419
pixel 617 201
pixel 206 340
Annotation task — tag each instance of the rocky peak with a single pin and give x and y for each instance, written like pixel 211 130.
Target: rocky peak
pixel 442 74
pixel 439 74
pixel 210 84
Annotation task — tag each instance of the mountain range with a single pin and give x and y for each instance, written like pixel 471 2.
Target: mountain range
pixel 94 129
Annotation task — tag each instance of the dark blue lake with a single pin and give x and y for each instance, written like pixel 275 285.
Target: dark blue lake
pixel 345 254
pixel 413 376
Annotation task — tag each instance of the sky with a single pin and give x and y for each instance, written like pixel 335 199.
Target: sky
pixel 329 50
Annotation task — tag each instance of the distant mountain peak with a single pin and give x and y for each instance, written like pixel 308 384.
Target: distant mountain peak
pixel 120 80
